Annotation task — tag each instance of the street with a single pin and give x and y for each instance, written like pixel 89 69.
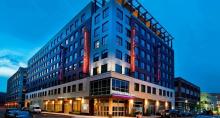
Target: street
pixel 57 115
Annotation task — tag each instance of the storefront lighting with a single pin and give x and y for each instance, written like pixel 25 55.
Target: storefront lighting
pixel 61 102
pixel 157 103
pixel 166 104
pixel 131 101
pixel 71 101
pixel 83 101
pixel 52 102
pixel 146 102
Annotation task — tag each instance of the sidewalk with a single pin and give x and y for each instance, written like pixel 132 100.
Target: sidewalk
pixel 83 116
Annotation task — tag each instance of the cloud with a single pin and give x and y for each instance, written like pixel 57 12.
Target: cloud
pixel 10 61
pixel 7 71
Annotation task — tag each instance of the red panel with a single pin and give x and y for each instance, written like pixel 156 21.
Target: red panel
pixel 86 52
pixel 133 49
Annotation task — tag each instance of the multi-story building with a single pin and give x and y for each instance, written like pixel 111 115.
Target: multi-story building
pixel 217 96
pixel 209 101
pixel 112 58
pixel 2 99
pixel 187 95
pixel 16 89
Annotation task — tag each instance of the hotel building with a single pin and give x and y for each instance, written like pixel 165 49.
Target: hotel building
pixel 112 59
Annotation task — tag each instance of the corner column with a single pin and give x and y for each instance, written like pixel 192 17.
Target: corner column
pixel 110 107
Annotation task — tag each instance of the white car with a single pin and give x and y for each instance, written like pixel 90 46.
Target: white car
pixel 35 109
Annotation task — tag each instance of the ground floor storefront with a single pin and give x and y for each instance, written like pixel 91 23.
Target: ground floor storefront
pixel 105 106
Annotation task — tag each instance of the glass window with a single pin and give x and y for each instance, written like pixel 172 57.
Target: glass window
pixel 96 44
pixel 118 54
pixel 80 87
pixel 120 85
pixel 119 27
pixel 76 23
pixel 127 71
pixel 97 19
pixel 95 71
pixel 73 88
pixel 142 65
pixel 136 87
pixel 105 12
pixel 118 68
pixel 76 45
pixel 104 68
pixel 164 93
pixel 142 43
pixel 97 32
pixel 119 41
pixel 148 89
pixel 71 58
pixel 142 76
pixel 68 89
pixel 100 87
pixel 128 33
pixel 143 88
pixel 83 18
pixel 128 45
pixel 127 58
pixel 105 27
pixel 119 14
pixel 154 91
pixel 104 54
pixel 104 40
pixel 64 89
pixel 71 48
pixel 75 56
pixel 160 92
pixel 96 57
pixel 127 20
pixel 82 52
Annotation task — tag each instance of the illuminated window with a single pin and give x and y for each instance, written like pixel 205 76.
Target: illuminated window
pixel 96 44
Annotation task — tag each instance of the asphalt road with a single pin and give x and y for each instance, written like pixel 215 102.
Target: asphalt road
pixel 49 116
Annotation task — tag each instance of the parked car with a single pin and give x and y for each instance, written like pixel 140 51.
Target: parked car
pixel 170 113
pixel 11 112
pixel 35 108
pixel 24 109
pixel 23 114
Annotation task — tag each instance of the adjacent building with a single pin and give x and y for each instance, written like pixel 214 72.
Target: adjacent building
pixel 210 101
pixel 187 95
pixel 112 59
pixel 217 96
pixel 2 99
pixel 16 89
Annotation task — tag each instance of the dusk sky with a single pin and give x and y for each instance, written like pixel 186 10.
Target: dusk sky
pixel 26 25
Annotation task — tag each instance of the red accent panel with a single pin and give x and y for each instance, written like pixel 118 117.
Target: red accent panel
pixel 133 49
pixel 86 52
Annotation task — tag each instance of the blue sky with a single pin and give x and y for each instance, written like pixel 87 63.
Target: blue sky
pixel 26 25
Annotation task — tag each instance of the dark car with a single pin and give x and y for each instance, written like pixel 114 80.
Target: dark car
pixel 10 112
pixel 170 113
